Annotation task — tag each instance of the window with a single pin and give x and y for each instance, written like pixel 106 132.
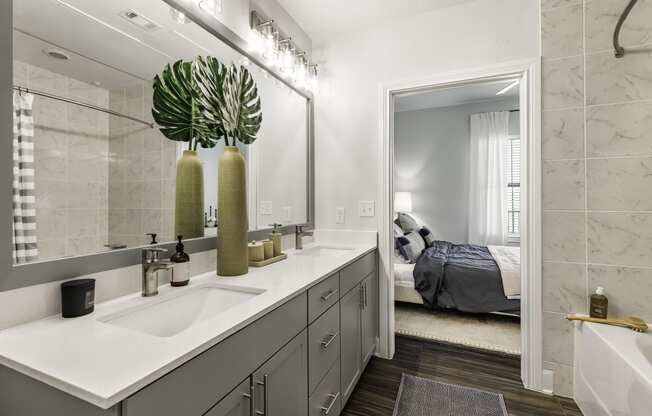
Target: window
pixel 513 177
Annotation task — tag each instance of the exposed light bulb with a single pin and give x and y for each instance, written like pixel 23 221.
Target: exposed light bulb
pixel 178 16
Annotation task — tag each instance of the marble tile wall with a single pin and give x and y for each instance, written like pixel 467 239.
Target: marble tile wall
pixel 597 168
pixel 71 167
pixel 142 172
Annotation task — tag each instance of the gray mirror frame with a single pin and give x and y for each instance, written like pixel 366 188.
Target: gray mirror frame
pixel 17 276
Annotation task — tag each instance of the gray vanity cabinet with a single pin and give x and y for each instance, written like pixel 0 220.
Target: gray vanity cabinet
pixel 369 287
pixel 350 340
pixel 281 384
pixel 236 403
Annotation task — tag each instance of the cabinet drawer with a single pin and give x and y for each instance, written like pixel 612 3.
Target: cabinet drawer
pixel 327 399
pixel 352 274
pixel 324 345
pixel 322 296
pixel 237 403
pixel 207 378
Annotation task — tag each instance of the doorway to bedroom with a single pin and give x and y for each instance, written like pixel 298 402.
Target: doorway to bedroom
pixel 456 216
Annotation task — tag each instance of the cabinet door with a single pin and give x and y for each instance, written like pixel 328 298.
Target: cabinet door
pixel 281 384
pixel 369 316
pixel 350 341
pixel 236 403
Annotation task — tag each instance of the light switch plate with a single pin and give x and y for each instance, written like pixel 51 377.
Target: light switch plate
pixel 340 216
pixel 367 208
pixel 266 208
pixel 287 214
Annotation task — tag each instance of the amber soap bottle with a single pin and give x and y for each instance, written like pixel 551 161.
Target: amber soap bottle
pixel 599 304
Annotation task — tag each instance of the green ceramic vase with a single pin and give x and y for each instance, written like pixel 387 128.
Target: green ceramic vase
pixel 232 221
pixel 189 202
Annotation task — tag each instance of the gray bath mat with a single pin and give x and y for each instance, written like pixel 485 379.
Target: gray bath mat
pixel 422 397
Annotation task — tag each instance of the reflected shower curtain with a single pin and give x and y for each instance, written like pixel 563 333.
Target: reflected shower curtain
pixel 488 186
pixel 24 238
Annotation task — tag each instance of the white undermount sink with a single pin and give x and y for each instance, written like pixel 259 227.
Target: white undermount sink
pixel 176 313
pixel 322 250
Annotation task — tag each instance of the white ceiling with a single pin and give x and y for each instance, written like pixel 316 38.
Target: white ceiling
pixel 448 97
pixel 320 18
pixel 103 46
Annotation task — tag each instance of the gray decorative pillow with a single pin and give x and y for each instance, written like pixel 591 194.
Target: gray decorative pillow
pixel 411 245
pixel 427 236
pixel 398 232
pixel 407 223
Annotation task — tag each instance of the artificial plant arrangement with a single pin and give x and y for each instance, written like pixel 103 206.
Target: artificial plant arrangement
pixel 229 98
pixel 201 102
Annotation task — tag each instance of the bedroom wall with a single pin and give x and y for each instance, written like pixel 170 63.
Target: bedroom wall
pixel 432 162
pixel 356 64
pixel 597 160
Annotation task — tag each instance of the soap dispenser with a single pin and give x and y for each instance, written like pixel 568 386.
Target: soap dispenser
pixel 599 304
pixel 181 260
pixel 276 237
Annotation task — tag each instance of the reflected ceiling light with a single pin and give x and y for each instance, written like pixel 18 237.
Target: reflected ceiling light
pixel 313 81
pixel 507 88
pixel 56 54
pixel 178 16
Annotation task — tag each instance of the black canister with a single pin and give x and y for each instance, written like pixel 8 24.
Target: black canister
pixel 77 297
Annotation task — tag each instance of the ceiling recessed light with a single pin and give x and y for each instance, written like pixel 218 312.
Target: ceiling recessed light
pixel 56 54
pixel 507 88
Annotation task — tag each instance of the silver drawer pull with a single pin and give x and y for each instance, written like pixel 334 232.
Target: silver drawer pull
pixel 328 295
pixel 331 338
pixel 265 397
pixel 327 409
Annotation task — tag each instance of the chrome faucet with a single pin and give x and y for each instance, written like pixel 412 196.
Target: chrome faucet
pixel 151 266
pixel 298 235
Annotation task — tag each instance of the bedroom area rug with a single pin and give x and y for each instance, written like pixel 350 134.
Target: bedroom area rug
pixel 421 396
pixel 484 331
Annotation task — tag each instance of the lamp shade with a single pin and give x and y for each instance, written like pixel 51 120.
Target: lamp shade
pixel 403 201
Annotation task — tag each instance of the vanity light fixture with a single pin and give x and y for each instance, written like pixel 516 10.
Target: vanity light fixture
pixel 211 7
pixel 507 88
pixel 281 52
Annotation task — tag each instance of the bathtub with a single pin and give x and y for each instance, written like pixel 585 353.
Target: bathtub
pixel 613 371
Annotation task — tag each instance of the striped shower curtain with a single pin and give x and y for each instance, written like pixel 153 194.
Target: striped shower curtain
pixel 24 238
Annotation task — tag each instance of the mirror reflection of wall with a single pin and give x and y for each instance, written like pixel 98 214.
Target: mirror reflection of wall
pixel 102 181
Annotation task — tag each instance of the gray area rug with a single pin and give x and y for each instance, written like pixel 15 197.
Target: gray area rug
pixel 422 397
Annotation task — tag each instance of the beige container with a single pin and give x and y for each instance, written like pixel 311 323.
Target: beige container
pixel 189 200
pixel 256 251
pixel 233 225
pixel 277 239
pixel 268 248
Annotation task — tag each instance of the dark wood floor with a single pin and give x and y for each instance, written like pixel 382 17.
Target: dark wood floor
pixel 377 389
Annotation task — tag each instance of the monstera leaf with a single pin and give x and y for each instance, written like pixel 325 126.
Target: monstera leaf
pixel 176 109
pixel 229 96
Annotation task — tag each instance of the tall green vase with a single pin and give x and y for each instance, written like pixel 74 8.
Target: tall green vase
pixel 189 202
pixel 232 222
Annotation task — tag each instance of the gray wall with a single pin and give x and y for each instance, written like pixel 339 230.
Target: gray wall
pixel 432 150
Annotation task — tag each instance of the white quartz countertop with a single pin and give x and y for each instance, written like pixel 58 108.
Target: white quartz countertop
pixel 103 364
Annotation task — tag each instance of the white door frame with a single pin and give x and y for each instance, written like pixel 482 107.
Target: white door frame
pixel 531 309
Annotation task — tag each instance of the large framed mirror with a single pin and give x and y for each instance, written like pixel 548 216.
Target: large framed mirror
pixel 93 176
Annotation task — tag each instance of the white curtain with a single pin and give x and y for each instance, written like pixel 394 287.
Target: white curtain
pixel 488 186
pixel 24 237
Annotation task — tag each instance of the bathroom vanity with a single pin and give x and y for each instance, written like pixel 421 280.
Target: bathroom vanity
pixel 289 339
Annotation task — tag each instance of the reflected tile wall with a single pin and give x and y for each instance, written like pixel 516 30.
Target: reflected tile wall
pixel 71 167
pixel 142 172
pixel 597 152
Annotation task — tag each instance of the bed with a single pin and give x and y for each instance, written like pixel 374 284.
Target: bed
pixel 464 277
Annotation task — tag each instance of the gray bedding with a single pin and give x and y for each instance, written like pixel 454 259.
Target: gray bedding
pixel 463 277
